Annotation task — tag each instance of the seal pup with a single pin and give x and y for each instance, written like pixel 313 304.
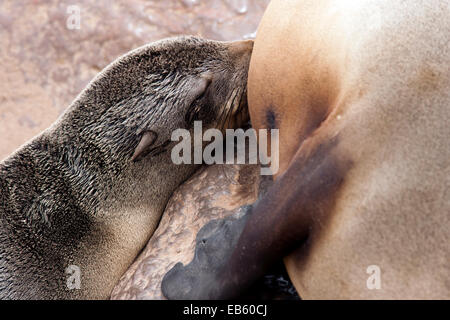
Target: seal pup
pixel 79 201
pixel 360 91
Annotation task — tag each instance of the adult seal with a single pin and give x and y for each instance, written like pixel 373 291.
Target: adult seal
pixel 79 201
pixel 360 209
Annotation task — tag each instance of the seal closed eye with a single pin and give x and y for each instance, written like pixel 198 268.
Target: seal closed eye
pixel 87 193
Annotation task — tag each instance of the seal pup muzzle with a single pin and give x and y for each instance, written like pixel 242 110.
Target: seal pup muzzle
pixel 79 201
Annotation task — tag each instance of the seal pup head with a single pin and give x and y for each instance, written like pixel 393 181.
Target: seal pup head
pixel 135 104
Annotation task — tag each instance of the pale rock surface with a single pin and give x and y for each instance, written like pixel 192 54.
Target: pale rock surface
pixel 212 193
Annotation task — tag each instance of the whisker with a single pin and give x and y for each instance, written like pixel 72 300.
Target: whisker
pixel 226 110
pixel 235 103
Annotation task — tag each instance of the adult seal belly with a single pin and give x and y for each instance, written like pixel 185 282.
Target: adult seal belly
pixel 85 195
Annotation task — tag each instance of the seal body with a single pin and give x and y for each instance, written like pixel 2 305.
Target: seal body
pixel 360 94
pixel 79 201
pixel 360 206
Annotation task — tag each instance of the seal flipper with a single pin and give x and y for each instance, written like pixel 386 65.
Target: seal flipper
pixel 280 222
pixel 148 138
pixel 203 277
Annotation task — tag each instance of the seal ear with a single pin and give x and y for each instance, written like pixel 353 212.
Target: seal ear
pixel 147 139
pixel 200 85
pixel 196 91
pixel 206 79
